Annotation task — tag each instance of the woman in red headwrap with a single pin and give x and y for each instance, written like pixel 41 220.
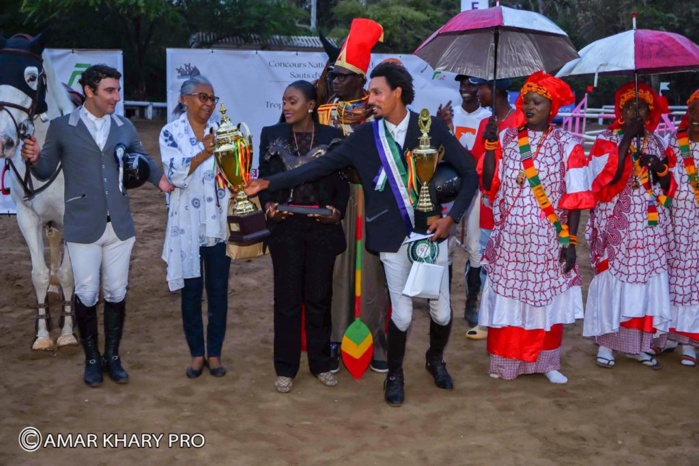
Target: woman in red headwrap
pixel 684 253
pixel 628 232
pixel 533 285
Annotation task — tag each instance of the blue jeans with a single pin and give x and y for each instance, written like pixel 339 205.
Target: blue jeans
pixel 215 266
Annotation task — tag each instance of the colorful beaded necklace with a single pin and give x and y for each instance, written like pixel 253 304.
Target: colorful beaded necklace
pixel 530 171
pixel 688 160
pixel 642 173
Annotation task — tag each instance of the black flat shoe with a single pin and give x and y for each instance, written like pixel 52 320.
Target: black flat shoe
pixel 194 373
pixel 219 371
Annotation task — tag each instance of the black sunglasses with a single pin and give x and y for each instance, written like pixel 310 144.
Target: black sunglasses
pixel 340 76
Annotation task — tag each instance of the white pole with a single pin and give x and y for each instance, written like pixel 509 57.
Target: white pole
pixel 314 13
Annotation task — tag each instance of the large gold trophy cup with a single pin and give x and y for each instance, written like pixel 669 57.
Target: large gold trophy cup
pixel 425 157
pixel 246 222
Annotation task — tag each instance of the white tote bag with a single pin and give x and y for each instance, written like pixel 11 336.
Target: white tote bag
pixel 424 280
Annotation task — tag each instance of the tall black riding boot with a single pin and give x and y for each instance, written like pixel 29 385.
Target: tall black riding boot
pixel 87 326
pixel 473 285
pixel 393 386
pixel 435 365
pixel 113 327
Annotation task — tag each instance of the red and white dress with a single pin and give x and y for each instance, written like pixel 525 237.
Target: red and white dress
pixel 684 253
pixel 527 297
pixel 629 298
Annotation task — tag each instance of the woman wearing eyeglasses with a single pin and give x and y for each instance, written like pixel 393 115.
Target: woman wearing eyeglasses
pixel 195 240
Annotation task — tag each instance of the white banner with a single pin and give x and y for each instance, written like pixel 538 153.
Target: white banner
pixel 69 66
pixel 251 83
pixel 474 5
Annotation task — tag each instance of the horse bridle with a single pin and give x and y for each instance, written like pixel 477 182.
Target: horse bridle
pixel 25 128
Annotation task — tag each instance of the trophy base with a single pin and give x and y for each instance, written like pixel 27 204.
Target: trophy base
pixel 303 210
pixel 248 229
pixel 424 219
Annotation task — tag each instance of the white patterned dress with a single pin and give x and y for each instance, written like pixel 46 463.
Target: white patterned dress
pixel 527 297
pixel 684 253
pixel 197 212
pixel 629 297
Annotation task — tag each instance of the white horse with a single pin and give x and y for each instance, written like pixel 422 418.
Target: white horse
pixel 30 96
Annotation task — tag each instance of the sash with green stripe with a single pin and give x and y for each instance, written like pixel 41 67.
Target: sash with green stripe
pixel 644 178
pixel 396 174
pixel 525 152
pixel 688 161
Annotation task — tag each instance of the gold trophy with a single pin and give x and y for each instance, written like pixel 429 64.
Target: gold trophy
pixel 246 222
pixel 426 158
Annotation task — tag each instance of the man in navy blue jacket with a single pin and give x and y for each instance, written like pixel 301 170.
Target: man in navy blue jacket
pixel 375 150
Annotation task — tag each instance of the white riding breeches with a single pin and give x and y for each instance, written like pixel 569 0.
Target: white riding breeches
pixel 397 268
pixel 107 257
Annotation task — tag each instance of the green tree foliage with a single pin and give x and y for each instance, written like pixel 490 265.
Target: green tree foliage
pixel 406 22
pixel 138 27
pixel 11 20
pixel 144 28
pixel 242 17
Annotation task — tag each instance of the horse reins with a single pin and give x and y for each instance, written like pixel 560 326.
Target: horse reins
pixel 23 132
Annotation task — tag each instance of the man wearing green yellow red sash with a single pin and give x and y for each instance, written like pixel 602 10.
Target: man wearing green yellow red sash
pixel 347 109
pixel 378 152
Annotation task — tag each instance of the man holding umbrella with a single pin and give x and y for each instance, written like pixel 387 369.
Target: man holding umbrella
pixel 503 117
pixel 464 121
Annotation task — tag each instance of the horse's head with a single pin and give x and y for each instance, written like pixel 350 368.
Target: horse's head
pixel 22 92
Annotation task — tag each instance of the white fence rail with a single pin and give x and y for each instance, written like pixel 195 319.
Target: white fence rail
pixel 576 121
pixel 147 110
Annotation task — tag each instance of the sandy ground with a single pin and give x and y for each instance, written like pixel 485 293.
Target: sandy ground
pixel 628 415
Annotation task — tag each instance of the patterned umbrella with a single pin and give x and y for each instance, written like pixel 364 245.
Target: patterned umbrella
pixel 638 51
pixel 497 42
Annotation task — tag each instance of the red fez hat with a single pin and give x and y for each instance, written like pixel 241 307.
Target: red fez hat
pixel 355 54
